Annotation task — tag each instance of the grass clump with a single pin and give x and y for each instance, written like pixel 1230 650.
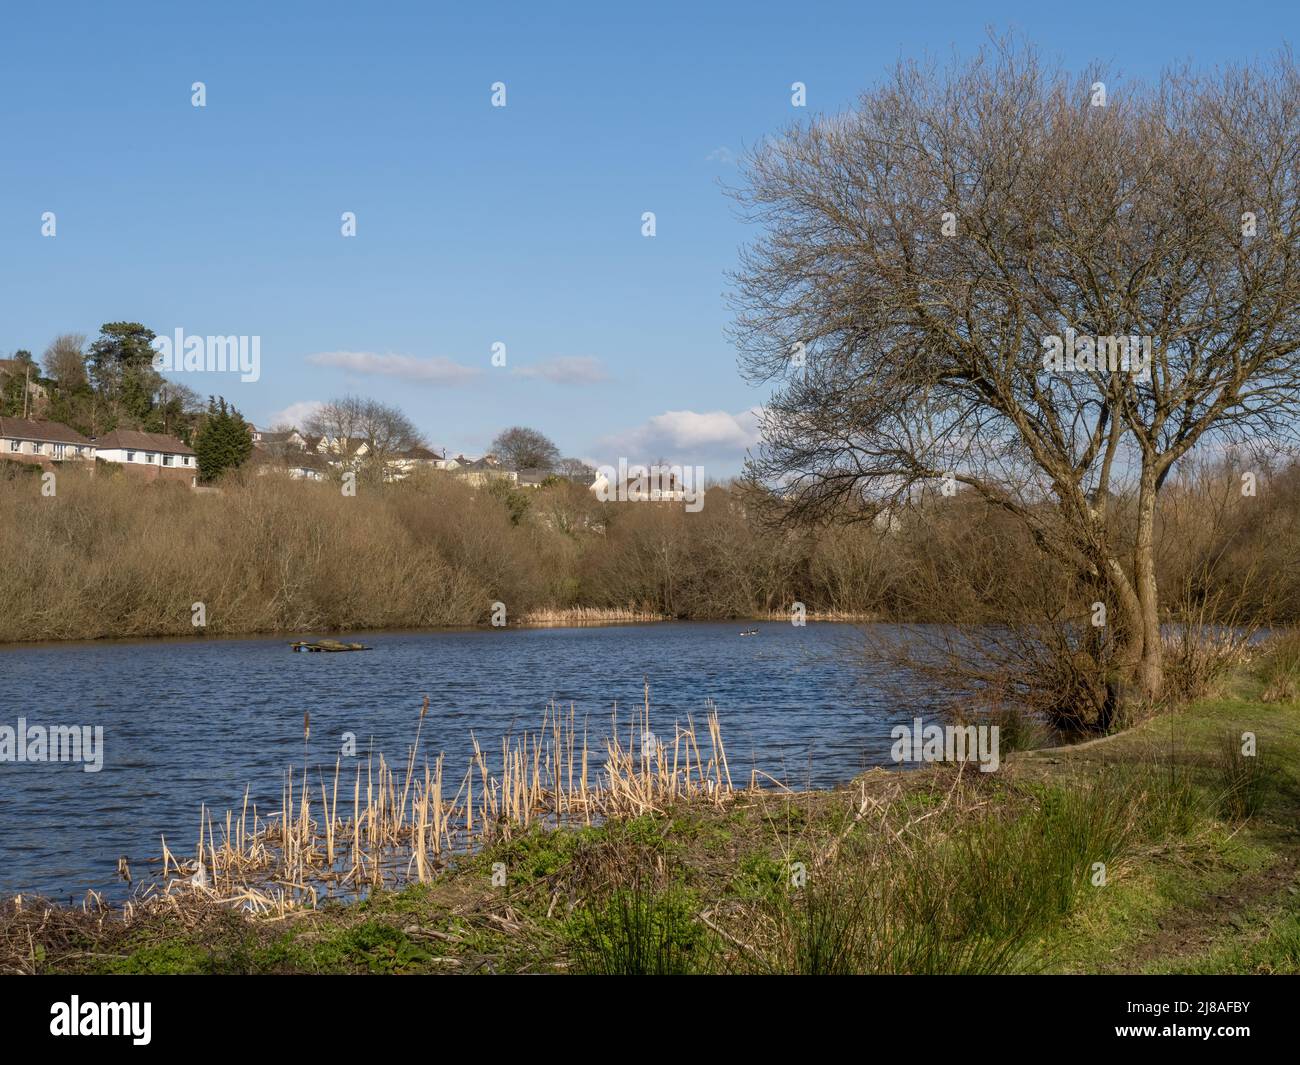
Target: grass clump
pixel 1244 774
pixel 1280 670
pixel 640 931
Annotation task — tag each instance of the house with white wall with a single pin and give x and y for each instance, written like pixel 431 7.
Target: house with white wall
pixel 403 463
pixel 297 465
pixel 151 455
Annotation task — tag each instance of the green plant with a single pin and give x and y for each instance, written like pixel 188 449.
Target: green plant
pixel 1244 776
pixel 640 931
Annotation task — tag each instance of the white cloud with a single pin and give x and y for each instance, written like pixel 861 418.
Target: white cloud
pixel 722 154
pixel 295 414
pixel 438 370
pixel 689 436
pixel 566 370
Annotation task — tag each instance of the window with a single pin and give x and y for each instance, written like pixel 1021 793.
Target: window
pixel 167 460
pixel 189 460
pixel 36 447
pixel 130 456
pixel 149 456
pixel 59 449
pixel 15 446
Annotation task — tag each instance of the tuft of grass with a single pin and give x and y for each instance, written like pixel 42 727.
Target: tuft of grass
pixel 1280 670
pixel 640 931
pixel 1244 775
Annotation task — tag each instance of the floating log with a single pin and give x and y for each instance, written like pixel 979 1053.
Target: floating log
pixel 327 645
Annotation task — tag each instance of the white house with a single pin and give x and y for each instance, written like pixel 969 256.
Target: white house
pixel 151 455
pixel 297 465
pixel 640 483
pixel 403 463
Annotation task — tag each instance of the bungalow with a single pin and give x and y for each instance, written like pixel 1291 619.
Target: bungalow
pixel 151 455
pixel 281 442
pixel 534 478
pixel 645 483
pixel 297 465
pixel 33 440
pixel 403 463
pixel 480 472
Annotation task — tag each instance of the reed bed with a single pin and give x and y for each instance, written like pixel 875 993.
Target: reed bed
pixel 589 615
pixel 345 832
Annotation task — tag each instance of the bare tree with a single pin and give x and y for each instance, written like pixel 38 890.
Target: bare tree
pixel 519 448
pixel 576 470
pixel 339 422
pixel 65 360
pixel 176 402
pixel 386 432
pixel 925 254
pixel 364 433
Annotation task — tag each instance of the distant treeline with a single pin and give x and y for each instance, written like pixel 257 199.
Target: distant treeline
pixel 109 556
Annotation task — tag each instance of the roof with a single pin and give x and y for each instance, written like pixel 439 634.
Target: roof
pixel 305 461
pixel 294 460
pixel 274 437
pixel 134 440
pixel 535 476
pixel 36 429
pixel 422 454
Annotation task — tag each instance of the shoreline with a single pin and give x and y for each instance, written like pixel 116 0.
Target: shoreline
pixel 1200 870
pixel 576 621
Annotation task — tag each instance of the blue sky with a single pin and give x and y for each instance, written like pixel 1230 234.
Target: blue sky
pixel 475 225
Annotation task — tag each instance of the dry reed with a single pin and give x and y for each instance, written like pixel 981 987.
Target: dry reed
pixel 406 824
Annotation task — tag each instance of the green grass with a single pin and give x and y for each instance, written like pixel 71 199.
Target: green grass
pixel 640 931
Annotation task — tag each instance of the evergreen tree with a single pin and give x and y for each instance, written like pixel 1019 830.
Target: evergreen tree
pixel 13 386
pixel 120 363
pixel 224 441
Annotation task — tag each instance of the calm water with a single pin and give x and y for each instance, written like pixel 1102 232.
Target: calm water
pixel 191 722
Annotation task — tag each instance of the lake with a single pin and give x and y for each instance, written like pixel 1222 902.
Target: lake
pixel 187 722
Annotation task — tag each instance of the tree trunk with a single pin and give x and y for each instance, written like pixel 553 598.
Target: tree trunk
pixel 1150 672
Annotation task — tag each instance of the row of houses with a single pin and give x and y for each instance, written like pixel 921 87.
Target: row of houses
pixel 148 455
pixel 299 455
pixel 304 456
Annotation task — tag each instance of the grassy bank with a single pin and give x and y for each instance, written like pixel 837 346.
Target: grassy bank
pixel 937 870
